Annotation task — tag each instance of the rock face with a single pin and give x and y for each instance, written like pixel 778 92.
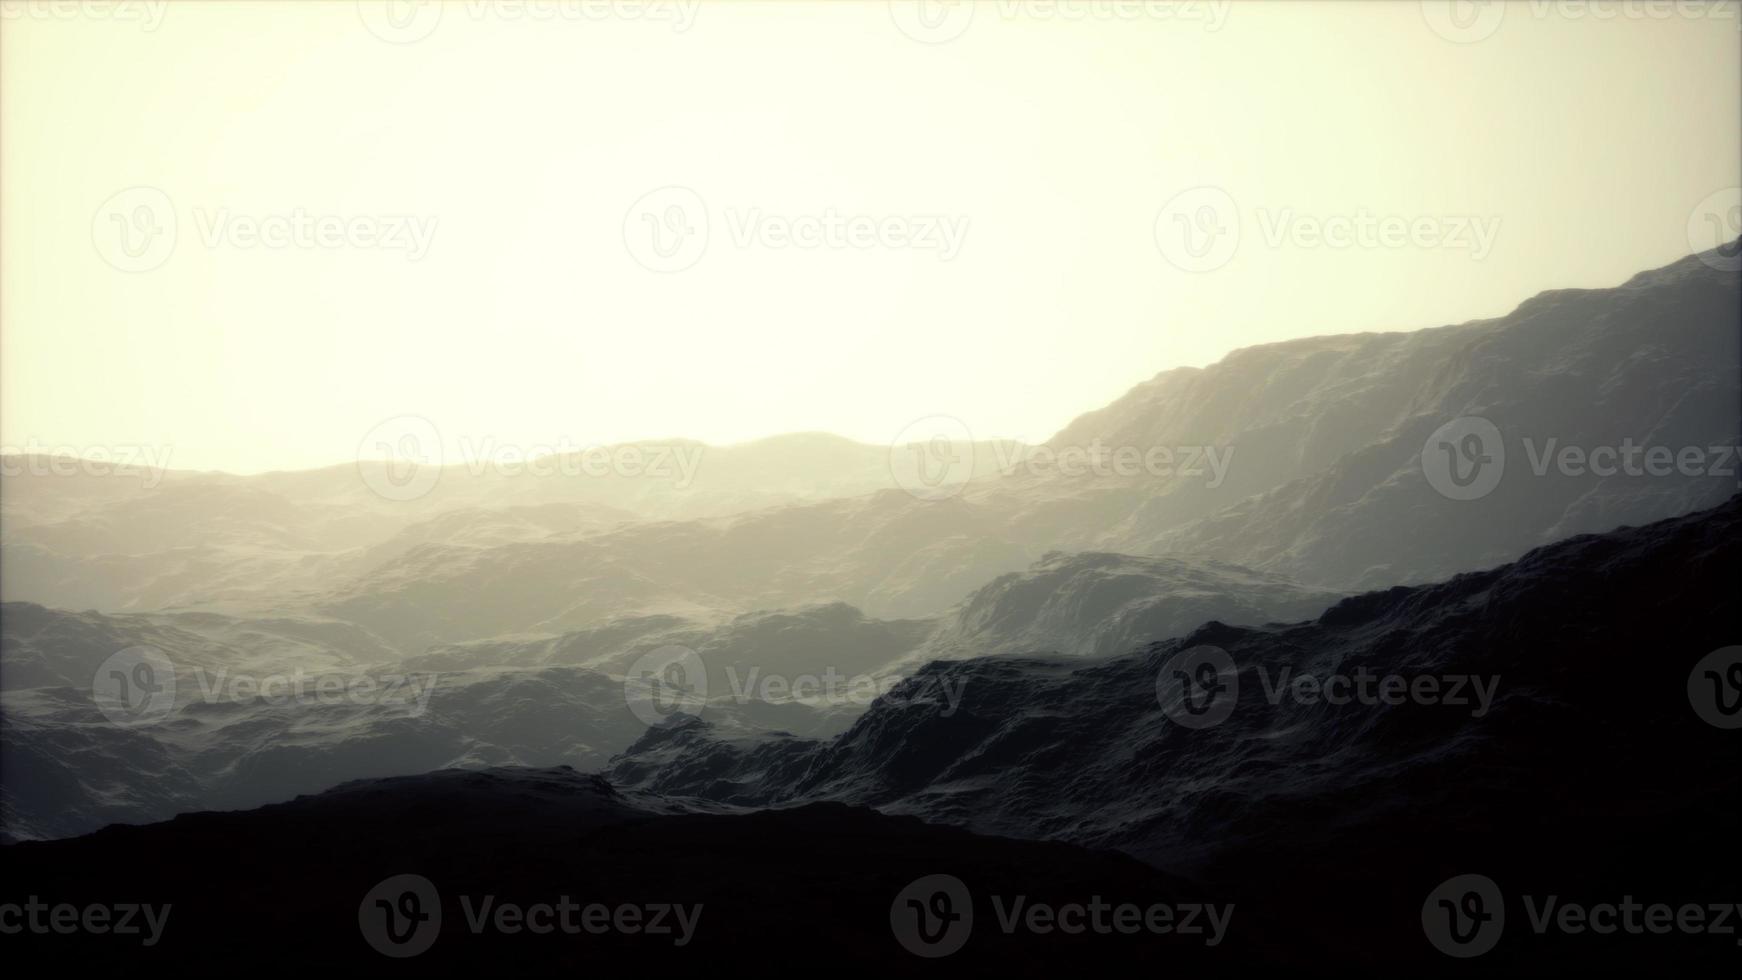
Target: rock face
pixel 1556 721
pixel 1093 604
pixel 1655 364
pixel 1598 632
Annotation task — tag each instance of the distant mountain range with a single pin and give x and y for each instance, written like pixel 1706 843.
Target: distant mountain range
pixel 1263 489
pixel 1301 458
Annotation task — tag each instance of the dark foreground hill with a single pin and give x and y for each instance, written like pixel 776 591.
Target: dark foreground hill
pixel 1554 724
pixel 292 888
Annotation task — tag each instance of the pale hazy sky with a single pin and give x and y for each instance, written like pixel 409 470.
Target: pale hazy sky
pixel 494 184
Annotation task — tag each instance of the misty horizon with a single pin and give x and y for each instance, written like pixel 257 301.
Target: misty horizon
pixel 485 451
pixel 1220 488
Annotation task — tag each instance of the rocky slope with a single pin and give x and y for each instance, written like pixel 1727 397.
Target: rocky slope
pixel 516 698
pixel 1099 605
pixel 1556 721
pixel 1655 363
pixel 1304 459
pixel 234 734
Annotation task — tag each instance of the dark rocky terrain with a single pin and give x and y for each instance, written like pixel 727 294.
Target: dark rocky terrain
pixel 1584 768
pixel 1570 763
pixel 277 890
pixel 515 699
pixel 1093 604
